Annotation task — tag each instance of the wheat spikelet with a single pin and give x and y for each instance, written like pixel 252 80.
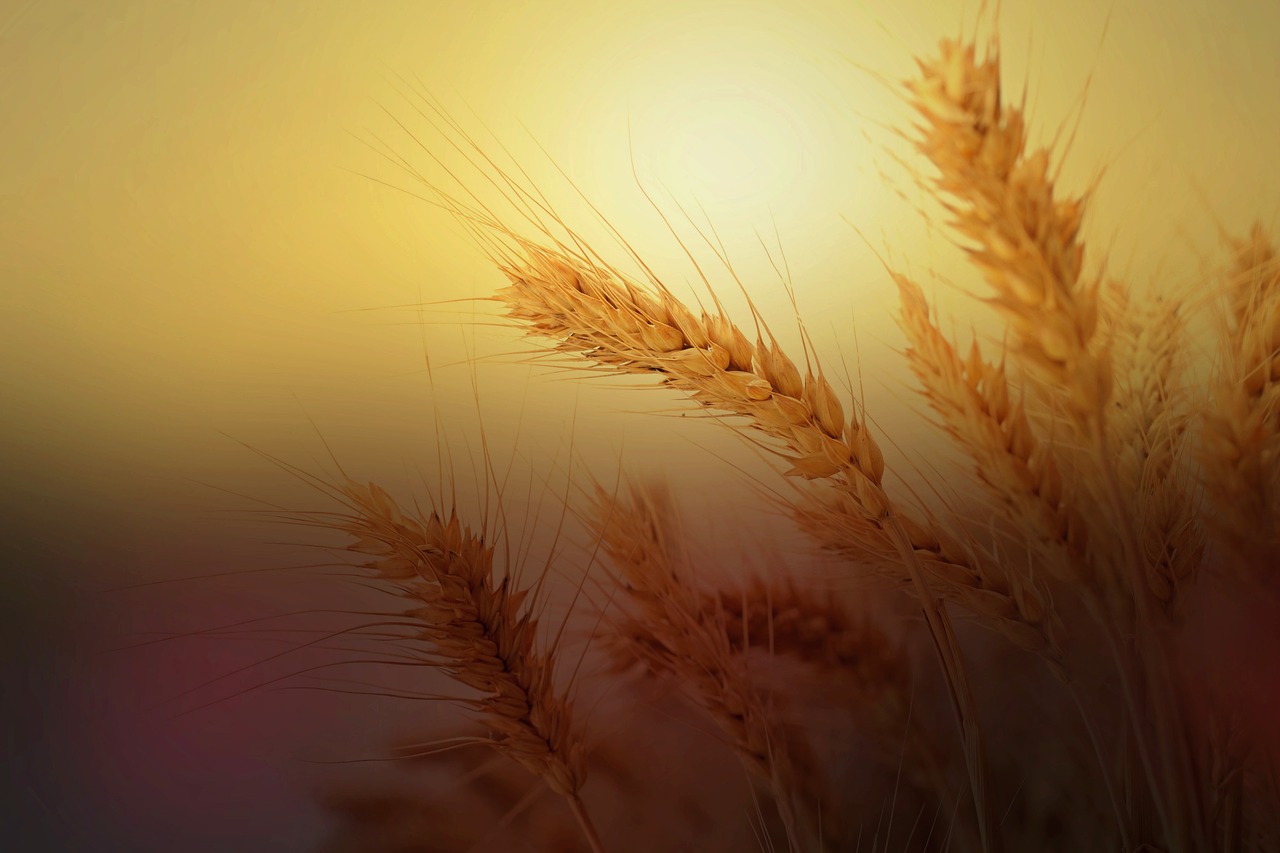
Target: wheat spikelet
pixel 1241 437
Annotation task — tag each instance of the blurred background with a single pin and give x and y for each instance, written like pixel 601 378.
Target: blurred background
pixel 209 247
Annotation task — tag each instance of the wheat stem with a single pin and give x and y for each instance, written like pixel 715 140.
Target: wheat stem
pixel 1122 818
pixel 584 821
pixel 958 688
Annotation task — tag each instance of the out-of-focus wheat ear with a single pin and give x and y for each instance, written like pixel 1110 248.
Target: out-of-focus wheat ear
pixel 486 806
pixel 966 574
pixel 1019 234
pixel 668 628
pixel 480 630
pixel 854 654
pixel 1241 436
pixel 1149 428
pixel 980 412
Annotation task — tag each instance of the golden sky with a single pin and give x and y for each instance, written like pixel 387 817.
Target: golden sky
pixel 186 213
pixel 190 237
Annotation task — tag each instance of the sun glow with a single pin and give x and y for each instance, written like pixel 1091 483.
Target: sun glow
pixel 729 144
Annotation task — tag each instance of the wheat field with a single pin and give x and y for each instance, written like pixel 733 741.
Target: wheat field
pixel 972 547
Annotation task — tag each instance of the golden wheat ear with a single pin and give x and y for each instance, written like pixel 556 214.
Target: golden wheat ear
pixel 615 324
pixel 480 630
pixel 1024 237
pixel 1021 236
pixel 1150 431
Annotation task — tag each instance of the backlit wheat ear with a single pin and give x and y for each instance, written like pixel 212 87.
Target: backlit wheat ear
pixel 674 634
pixel 961 572
pixel 481 631
pixel 1022 238
pixel 852 654
pixel 617 324
pixel 613 323
pixel 1241 437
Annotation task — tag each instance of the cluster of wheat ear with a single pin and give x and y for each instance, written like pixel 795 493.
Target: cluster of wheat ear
pixel 1124 509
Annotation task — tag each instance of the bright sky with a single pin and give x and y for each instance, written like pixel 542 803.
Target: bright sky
pixel 181 217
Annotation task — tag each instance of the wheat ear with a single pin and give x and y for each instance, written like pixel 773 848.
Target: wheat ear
pixel 1022 238
pixel 593 312
pixel 481 632
pixel 1149 426
pixel 979 411
pixel 1241 438
pixel 1240 458
pixel 673 634
pixel 778 616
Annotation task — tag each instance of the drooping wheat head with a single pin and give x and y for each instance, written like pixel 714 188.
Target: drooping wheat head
pixel 481 632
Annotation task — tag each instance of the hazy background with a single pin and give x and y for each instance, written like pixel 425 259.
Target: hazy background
pixel 190 240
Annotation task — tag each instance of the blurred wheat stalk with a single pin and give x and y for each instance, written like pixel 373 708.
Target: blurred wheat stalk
pixel 1118 499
